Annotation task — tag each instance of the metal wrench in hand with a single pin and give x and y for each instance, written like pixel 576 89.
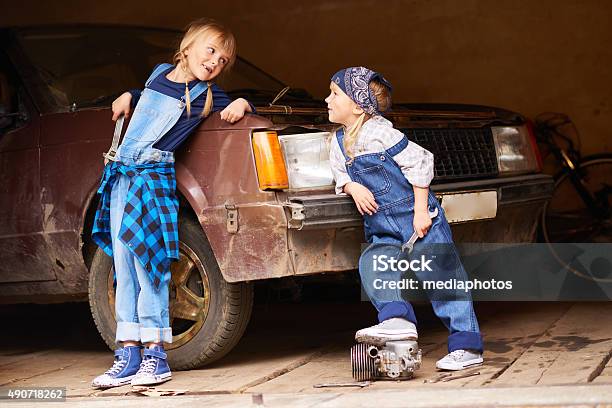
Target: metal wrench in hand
pixel 410 243
pixel 112 152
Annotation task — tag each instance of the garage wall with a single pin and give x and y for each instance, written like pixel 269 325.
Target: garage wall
pixel 528 56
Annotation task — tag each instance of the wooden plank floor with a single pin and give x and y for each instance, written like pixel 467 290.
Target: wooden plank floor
pixel 508 334
pixel 288 349
pixel 575 349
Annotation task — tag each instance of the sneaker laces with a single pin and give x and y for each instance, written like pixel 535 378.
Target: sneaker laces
pixel 377 326
pixel 389 324
pixel 117 367
pixel 147 366
pixel 456 355
pixel 382 325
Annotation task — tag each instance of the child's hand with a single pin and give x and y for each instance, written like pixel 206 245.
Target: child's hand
pixel 121 105
pixel 364 199
pixel 235 110
pixel 421 222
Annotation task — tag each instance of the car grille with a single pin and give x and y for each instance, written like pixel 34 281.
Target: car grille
pixel 458 153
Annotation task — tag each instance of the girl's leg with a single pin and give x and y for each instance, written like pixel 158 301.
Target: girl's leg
pixel 127 358
pixel 153 313
pixel 128 288
pixel 396 316
pixel 155 329
pixel 376 272
pixel 453 307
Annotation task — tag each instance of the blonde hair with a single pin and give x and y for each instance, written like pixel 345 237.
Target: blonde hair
pixel 209 28
pixel 383 99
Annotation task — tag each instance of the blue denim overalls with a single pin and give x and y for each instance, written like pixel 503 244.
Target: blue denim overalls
pixel 141 310
pixel 390 227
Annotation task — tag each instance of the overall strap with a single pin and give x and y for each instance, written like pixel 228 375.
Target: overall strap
pixel 340 138
pixel 193 92
pixel 398 147
pixel 156 72
pixel 198 90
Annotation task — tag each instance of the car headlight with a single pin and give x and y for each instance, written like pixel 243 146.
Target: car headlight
pixel 515 150
pixel 307 159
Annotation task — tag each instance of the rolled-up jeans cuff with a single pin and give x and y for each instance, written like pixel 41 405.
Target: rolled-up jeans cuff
pixel 127 331
pixel 465 340
pixel 397 309
pixel 156 334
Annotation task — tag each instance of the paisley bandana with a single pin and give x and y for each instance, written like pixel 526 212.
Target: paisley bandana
pixel 354 82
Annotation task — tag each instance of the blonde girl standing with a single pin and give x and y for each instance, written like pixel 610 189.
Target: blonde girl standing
pixel 137 218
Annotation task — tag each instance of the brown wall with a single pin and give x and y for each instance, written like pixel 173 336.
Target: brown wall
pixel 528 56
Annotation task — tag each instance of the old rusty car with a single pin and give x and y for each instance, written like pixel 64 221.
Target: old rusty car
pixel 257 197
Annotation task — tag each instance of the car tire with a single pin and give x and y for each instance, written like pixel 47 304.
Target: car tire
pixel 220 326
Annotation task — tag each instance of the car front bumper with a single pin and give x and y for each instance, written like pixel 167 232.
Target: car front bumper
pixel 326 234
pixel 337 211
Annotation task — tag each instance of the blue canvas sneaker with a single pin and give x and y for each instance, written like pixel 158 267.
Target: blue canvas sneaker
pixel 154 368
pixel 127 362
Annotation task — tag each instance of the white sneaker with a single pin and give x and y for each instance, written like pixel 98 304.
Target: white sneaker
pixel 459 359
pixel 392 329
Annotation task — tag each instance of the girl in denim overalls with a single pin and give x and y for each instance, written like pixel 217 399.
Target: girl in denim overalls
pixel 388 178
pixel 137 218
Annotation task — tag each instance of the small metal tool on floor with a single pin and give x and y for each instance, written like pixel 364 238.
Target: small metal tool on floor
pixel 359 384
pixel 445 377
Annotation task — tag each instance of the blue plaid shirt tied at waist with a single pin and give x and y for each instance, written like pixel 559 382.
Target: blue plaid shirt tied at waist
pixel 150 222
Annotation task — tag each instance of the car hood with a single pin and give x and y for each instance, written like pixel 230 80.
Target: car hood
pixel 421 113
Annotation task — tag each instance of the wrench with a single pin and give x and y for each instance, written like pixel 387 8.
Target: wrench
pixel 360 384
pixel 446 377
pixel 112 152
pixel 410 243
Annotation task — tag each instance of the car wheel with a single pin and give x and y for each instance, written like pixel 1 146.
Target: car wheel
pixel 208 315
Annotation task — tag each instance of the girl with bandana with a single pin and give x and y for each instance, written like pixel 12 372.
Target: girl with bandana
pixel 137 218
pixel 388 177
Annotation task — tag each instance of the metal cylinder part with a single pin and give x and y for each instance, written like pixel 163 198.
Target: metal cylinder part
pixel 362 365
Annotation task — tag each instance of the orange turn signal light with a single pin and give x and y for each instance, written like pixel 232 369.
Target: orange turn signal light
pixel 271 170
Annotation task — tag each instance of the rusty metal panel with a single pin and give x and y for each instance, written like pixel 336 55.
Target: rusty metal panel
pixel 21 242
pixel 216 172
pixel 69 173
pixel 325 250
pixel 258 250
pixel 24 259
pixel 66 259
pixel 220 162
pixel 71 167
